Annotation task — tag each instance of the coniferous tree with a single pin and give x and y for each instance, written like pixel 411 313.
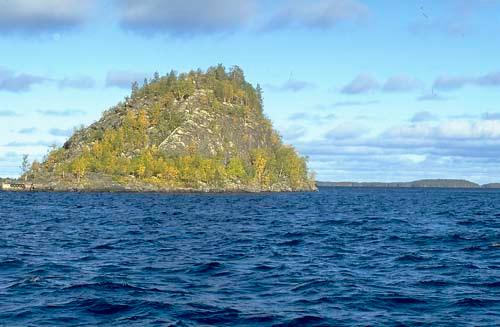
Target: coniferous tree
pixel 135 88
pixel 260 92
pixel 25 166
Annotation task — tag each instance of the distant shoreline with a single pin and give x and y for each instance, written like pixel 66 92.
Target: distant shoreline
pixel 424 183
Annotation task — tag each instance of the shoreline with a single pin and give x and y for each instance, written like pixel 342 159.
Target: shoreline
pixel 424 183
pixel 40 188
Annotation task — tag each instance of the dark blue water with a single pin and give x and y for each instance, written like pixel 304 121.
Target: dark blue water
pixel 340 257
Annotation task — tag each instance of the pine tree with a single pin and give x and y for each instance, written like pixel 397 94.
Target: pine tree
pixel 260 92
pixel 237 75
pixel 25 166
pixel 135 88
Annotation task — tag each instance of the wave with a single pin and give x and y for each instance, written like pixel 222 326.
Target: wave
pixel 411 258
pixel 264 268
pixel 212 315
pixel 106 246
pixel 403 300
pixel 315 284
pixel 100 306
pixel 307 320
pixel 11 263
pixel 435 283
pixel 472 302
pixel 204 268
pixel 291 243
pixel 109 286
pixel 472 248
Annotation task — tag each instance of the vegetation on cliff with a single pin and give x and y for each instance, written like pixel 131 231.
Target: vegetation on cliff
pixel 197 130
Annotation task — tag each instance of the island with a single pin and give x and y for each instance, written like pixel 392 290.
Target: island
pixel 200 131
pixel 424 183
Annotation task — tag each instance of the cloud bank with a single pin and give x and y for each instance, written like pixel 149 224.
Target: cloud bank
pixel 35 16
pixel 61 113
pixel 424 149
pixel 292 85
pixel 320 14
pixel 12 82
pixel 184 17
pixel 365 83
pixel 123 79
pixel 203 17
pixel 451 83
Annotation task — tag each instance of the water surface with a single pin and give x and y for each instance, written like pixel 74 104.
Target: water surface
pixel 339 257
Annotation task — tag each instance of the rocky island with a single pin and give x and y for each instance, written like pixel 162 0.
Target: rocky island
pixel 196 131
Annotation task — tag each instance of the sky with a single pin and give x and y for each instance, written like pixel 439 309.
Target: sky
pixel 368 90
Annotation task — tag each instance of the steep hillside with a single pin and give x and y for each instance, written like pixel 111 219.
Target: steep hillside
pixel 195 131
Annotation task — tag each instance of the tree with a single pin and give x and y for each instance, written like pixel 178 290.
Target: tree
pixel 260 92
pixel 135 88
pixel 25 166
pixel 220 72
pixel 156 77
pixel 172 77
pixel 236 168
pixel 259 165
pixel 79 168
pixel 35 168
pixel 237 75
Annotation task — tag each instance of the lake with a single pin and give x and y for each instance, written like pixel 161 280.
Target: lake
pixel 338 257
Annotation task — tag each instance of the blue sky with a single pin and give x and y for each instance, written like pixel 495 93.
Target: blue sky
pixel 369 90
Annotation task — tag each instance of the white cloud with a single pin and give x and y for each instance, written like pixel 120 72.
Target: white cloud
pixel 400 83
pixel 318 14
pixel 362 83
pixel 77 82
pixel 12 82
pixel 124 79
pixel 449 130
pixel 185 17
pixel 202 17
pixel 450 83
pixel 433 149
pixel 346 130
pixel 35 16
pixel 292 85
pixel 61 113
pixel 422 116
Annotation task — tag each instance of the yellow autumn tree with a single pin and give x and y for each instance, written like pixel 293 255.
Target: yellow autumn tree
pixel 259 165
pixel 236 169
pixel 79 168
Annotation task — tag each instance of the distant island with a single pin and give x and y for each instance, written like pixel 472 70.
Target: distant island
pixel 195 131
pixel 424 183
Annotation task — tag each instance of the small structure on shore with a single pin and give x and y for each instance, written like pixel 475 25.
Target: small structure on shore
pixel 16 187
